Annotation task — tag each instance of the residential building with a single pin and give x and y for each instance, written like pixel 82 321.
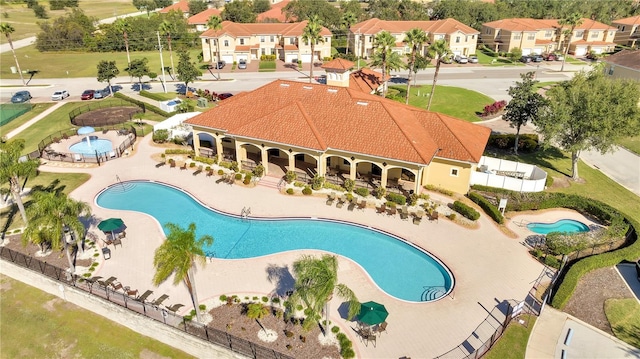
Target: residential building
pixel 200 20
pixel 624 64
pixel 340 73
pixel 341 133
pixel 181 6
pixel 628 31
pixel 274 14
pixel 250 41
pixel 537 36
pixel 462 39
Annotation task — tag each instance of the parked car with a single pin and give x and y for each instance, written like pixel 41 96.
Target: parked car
pixel 537 58
pixel 224 96
pixel 242 64
pixel 100 94
pixel 59 95
pixel 87 95
pixel 526 59
pixel 473 59
pixel 446 60
pixel 549 57
pixel 461 59
pixel 559 57
pixel 219 65
pixel 21 96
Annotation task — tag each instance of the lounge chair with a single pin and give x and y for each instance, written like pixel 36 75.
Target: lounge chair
pixel 184 166
pixel 112 154
pixel 174 308
pixel 106 283
pixel 172 164
pixel 391 211
pixel 330 198
pixel 77 157
pixel 341 201
pixel 382 327
pixel 144 296
pixel 352 204
pixel 362 205
pixel 116 285
pixel 160 164
pixel 417 217
pixel 382 209
pixel 434 216
pixel 209 173
pixel 116 242
pixel 404 213
pixel 130 292
pixel 159 300
pixel 198 171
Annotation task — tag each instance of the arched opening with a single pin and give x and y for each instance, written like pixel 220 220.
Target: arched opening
pixel 250 156
pixel 207 145
pixel 368 175
pixel 278 162
pixel 338 169
pixel 229 149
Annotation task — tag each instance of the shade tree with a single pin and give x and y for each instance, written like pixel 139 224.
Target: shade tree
pixel 525 105
pixel 107 71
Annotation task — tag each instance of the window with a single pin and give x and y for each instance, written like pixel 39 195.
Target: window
pixel 346 162
pixel 439 37
pixel 292 41
pixel 579 33
pixel 473 37
pixel 531 36
pixel 261 38
pixel 370 38
pixel 611 33
pixel 466 38
pixel 226 43
pixel 263 51
pixel 622 28
pixel 548 33
pixel 517 36
pixel 595 34
pixel 241 41
pixel 271 39
pixel 454 172
pixel 457 39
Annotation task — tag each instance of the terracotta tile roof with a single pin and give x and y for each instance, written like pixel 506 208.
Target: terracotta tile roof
pixel 592 43
pixel 446 26
pixel 588 24
pixel 289 47
pixel 626 58
pixel 246 48
pixel 182 6
pixel 201 18
pixel 338 64
pixel 234 29
pixel 366 80
pixel 527 24
pixel 274 13
pixel 544 42
pixel 320 117
pixel 633 20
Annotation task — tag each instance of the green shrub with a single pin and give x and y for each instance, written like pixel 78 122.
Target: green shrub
pixel 205 160
pixel 465 210
pixel 552 261
pixel 225 164
pixel 413 199
pixel 153 96
pixel 289 190
pixel 349 184
pixel 234 166
pixel 258 171
pixel 397 198
pixel 335 329
pixel 160 136
pixel 223 298
pixel 265 299
pixel 192 164
pixel 238 176
pixel 307 191
pixel 179 151
pixel 526 142
pixel 298 184
pixel 379 192
pixel 329 185
pixel 317 182
pixel 247 178
pixel 549 181
pixel 220 172
pixel 487 206
pixel 290 176
pixel 452 216
pixel 361 191
pixel 444 191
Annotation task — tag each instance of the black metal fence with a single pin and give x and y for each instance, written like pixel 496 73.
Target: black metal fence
pixel 162 315
pixel 104 104
pixel 97 157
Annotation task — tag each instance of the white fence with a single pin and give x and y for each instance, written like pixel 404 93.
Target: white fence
pixel 515 176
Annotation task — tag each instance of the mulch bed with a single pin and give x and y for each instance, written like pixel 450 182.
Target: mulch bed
pixel 587 302
pixel 230 318
pixel 105 116
pixel 54 258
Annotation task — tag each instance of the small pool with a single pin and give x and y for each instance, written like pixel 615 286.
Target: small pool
pixel 397 267
pixel 89 148
pixel 563 225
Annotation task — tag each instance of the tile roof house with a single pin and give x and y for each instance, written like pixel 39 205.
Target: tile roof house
pixel 340 73
pixel 537 36
pixel 250 41
pixel 623 64
pixel 200 19
pixel 181 6
pixel 628 31
pixel 462 39
pixel 275 14
pixel 319 129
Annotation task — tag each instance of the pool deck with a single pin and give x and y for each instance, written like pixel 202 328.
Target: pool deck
pixel 489 267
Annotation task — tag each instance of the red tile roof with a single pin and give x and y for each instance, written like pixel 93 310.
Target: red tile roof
pixel 338 64
pixel 366 80
pixel 182 6
pixel 320 117
pixel 527 24
pixel 202 18
pixel 633 20
pixel 626 58
pixel 446 26
pixel 275 12
pixel 592 43
pixel 234 29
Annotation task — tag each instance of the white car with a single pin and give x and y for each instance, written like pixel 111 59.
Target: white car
pixel 461 59
pixel 59 95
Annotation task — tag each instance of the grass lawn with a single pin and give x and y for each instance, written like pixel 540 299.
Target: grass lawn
pixel 266 66
pixel 631 143
pixel 44 326
pixel 487 60
pixel 24 21
pixel 20 120
pixel 65 64
pixel 513 343
pixel 159 96
pixel 624 317
pixel 453 101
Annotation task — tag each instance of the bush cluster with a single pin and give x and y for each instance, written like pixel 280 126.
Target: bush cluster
pixel 526 142
pixel 465 210
pixel 346 347
pixel 247 178
pixel 290 176
pixel 487 207
pixel 307 191
pixel 396 198
pixel 444 191
pixel 209 95
pixel 178 151
pixel 268 58
pixel 205 160
pixel 494 108
pixel 160 136
pixel 361 191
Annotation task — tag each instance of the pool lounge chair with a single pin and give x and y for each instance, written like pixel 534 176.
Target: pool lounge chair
pixel 404 213
pixel 341 201
pixel 417 217
pixel 116 285
pixel 130 292
pixel 434 216
pixel 172 164
pixel 392 210
pixel 210 173
pixel 77 157
pixel 330 198
pixel 198 171
pixel 106 283
pixel 382 209
pixel 144 296
pixel 362 205
pixel 160 164
pixel 174 308
pixel 184 166
pixel 159 300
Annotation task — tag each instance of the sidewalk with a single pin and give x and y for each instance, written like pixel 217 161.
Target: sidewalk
pixel 550 339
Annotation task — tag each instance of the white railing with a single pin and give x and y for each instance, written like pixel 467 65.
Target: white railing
pixel 511 175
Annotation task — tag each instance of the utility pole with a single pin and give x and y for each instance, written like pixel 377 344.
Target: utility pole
pixel 164 84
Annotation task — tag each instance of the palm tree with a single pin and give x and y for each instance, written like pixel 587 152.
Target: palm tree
pixel 415 38
pixel 167 28
pixel 574 20
pixel 348 19
pixel 316 281
pixel 54 216
pixel 215 23
pixel 178 256
pixel 123 26
pixel 14 170
pixel 7 30
pixel 439 50
pixel 257 311
pixel 311 35
pixel 384 57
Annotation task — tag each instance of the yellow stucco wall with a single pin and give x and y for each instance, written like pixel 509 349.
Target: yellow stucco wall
pixel 439 174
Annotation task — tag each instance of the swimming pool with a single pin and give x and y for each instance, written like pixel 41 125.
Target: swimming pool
pixel 398 268
pixel 89 148
pixel 563 225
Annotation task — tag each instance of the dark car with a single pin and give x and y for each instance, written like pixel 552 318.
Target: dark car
pixel 21 96
pixel 549 57
pixel 219 65
pixel 526 59
pixel 537 58
pixel 224 96
pixel 87 95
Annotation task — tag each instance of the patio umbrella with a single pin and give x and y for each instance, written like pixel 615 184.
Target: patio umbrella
pixel 372 313
pixel 110 225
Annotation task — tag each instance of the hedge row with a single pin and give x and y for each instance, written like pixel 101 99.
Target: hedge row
pixel 179 151
pixel 487 206
pixel 465 210
pixel 397 198
pixel 145 105
pixel 206 160
pixel 526 142
pixel 153 96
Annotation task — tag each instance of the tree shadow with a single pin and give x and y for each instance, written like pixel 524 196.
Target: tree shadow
pixel 540 157
pixel 282 278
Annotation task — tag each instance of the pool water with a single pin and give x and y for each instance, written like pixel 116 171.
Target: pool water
pixel 89 148
pixel 563 225
pixel 398 268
